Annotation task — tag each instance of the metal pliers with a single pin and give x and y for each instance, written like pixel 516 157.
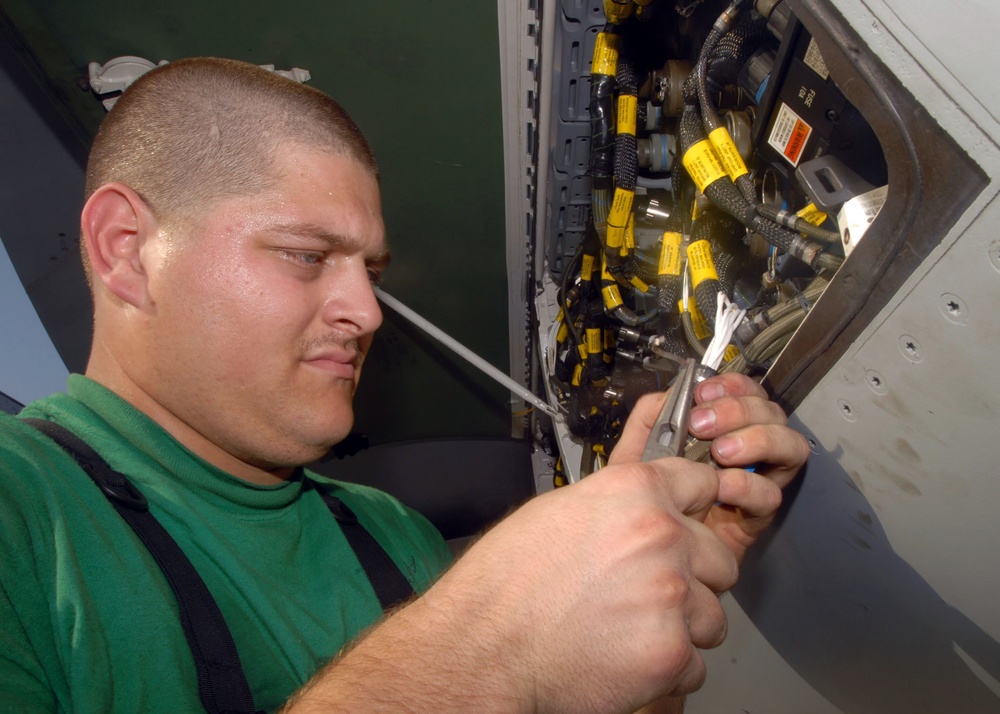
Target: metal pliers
pixel 670 432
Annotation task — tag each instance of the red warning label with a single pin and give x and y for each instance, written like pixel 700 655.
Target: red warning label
pixel 789 134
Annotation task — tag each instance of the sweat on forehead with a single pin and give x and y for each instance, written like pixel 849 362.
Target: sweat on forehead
pixel 200 129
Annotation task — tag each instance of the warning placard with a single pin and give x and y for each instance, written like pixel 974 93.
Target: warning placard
pixel 789 134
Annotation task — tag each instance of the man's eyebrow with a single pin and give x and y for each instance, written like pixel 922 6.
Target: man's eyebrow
pixel 335 240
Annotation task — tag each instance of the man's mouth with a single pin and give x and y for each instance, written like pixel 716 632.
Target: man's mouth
pixel 338 362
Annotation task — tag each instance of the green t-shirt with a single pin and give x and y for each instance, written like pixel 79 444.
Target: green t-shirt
pixel 88 622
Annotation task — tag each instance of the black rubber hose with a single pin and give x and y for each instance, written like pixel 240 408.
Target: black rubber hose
pixel 626 157
pixel 580 419
pixel 602 134
pixel 706 291
pixel 728 56
pixel 673 339
pixel 727 249
pixel 723 234
pixel 594 367
pixel 626 162
pixel 808 251
pixel 773 233
pixel 797 223
pixel 564 291
pixel 669 285
pixel 602 138
pixel 724 195
pixel 726 51
pixel 721 191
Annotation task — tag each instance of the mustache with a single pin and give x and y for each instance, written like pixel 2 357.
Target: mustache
pixel 350 344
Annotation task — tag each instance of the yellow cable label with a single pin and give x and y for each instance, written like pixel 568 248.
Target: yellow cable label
pixel 701 330
pixel 594 343
pixel 612 297
pixel 587 267
pixel 703 165
pixel 563 333
pixel 639 285
pixel 731 353
pixel 609 340
pixel 581 349
pixel 618 217
pixel 621 207
pixel 577 375
pixel 701 263
pixel 727 152
pixel 630 234
pixel 617 11
pixel 670 254
pixel 626 114
pixel 605 54
pixel 812 214
pixel 616 238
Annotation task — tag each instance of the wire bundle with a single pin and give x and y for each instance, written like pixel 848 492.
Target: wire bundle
pixel 727 318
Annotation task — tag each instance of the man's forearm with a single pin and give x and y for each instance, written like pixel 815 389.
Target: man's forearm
pixel 416 660
pixel 595 597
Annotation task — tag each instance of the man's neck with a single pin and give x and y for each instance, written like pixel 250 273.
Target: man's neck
pixel 106 371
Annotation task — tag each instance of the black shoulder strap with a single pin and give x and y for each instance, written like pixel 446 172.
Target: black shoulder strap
pixel 387 580
pixel 222 686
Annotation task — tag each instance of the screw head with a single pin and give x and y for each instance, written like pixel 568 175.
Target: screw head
pixel 994 252
pixel 876 382
pixel 911 349
pixel 954 309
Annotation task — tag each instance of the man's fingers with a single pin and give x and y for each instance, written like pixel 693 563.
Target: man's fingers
pixel 637 429
pixel 729 413
pixel 752 493
pixel 677 486
pixel 777 446
pixel 728 384
pixel 707 628
pixel 714 564
pixel 707 622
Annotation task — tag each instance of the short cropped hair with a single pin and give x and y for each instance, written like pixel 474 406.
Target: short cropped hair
pixel 197 130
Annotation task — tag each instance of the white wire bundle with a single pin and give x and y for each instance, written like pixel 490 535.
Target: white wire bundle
pixel 727 317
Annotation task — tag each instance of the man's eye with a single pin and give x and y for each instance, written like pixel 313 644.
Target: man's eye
pixel 305 258
pixel 375 277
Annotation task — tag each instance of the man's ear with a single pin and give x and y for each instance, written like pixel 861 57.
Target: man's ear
pixel 115 223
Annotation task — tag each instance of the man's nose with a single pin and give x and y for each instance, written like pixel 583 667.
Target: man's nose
pixel 351 305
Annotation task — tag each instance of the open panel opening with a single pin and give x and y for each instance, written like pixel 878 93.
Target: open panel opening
pixel 753 150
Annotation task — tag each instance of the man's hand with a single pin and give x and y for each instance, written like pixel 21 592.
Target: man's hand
pixel 746 429
pixel 591 598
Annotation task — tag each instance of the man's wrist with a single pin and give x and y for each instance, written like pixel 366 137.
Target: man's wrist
pixel 430 656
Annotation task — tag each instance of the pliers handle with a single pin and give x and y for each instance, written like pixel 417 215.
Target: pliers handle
pixel 670 432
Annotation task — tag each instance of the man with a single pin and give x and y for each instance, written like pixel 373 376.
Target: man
pixel 231 234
